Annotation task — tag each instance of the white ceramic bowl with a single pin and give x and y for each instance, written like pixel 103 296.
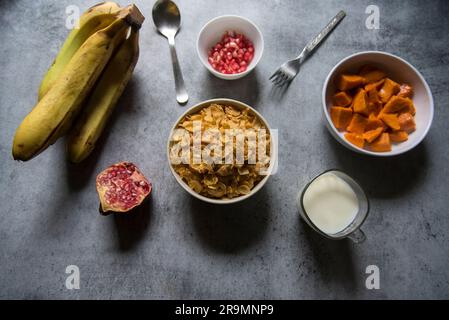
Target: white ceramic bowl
pixel 212 32
pixel 239 105
pixel 398 70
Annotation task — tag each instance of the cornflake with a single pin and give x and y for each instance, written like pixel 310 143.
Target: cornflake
pixel 224 180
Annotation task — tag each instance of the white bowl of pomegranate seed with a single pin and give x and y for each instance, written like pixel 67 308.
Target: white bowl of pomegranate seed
pixel 230 46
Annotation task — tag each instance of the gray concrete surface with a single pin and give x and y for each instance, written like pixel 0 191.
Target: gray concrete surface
pixel 182 248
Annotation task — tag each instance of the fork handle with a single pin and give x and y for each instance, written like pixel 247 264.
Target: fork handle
pixel 321 36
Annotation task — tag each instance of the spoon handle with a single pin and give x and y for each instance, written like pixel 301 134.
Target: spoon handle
pixel 181 93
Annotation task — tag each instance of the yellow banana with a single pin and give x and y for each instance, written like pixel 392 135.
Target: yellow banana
pixel 53 115
pixel 91 21
pixel 90 124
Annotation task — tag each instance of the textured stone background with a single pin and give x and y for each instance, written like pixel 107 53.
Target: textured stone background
pixel 182 248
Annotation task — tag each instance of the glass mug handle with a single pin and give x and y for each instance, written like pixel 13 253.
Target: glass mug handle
pixel 357 236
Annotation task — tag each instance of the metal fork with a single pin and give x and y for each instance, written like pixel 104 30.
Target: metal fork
pixel 288 71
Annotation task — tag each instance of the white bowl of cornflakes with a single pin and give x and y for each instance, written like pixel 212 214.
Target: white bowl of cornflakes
pixel 221 151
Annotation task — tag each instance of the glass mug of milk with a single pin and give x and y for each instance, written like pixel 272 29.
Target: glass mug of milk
pixel 335 206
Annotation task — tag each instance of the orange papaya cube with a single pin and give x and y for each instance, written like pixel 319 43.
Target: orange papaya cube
pixel 391 120
pixel 381 144
pixel 341 117
pixel 410 107
pixel 389 89
pixel 360 103
pixel 372 135
pixel 396 104
pixel 342 99
pixel 405 91
pixel 374 123
pixel 407 122
pixel 348 81
pixel 376 85
pixel 357 124
pixel 374 103
pixel 398 136
pixel 371 74
pixel 355 139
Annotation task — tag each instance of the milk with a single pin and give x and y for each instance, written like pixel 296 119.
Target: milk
pixel 330 203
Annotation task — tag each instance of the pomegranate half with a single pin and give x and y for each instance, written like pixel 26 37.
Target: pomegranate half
pixel 121 188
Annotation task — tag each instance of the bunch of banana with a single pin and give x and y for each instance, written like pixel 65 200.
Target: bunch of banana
pixel 57 109
pixel 90 124
pixel 91 21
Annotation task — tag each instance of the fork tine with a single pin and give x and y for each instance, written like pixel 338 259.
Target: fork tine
pixel 289 79
pixel 280 79
pixel 274 75
pixel 285 81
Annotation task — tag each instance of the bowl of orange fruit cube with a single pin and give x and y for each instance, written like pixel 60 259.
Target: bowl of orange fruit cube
pixel 377 103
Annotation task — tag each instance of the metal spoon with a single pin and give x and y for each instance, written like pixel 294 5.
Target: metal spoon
pixel 167 18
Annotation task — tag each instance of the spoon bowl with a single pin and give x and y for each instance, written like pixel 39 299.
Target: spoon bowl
pixel 167 18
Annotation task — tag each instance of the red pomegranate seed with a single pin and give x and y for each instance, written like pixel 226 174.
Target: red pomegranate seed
pixel 232 54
